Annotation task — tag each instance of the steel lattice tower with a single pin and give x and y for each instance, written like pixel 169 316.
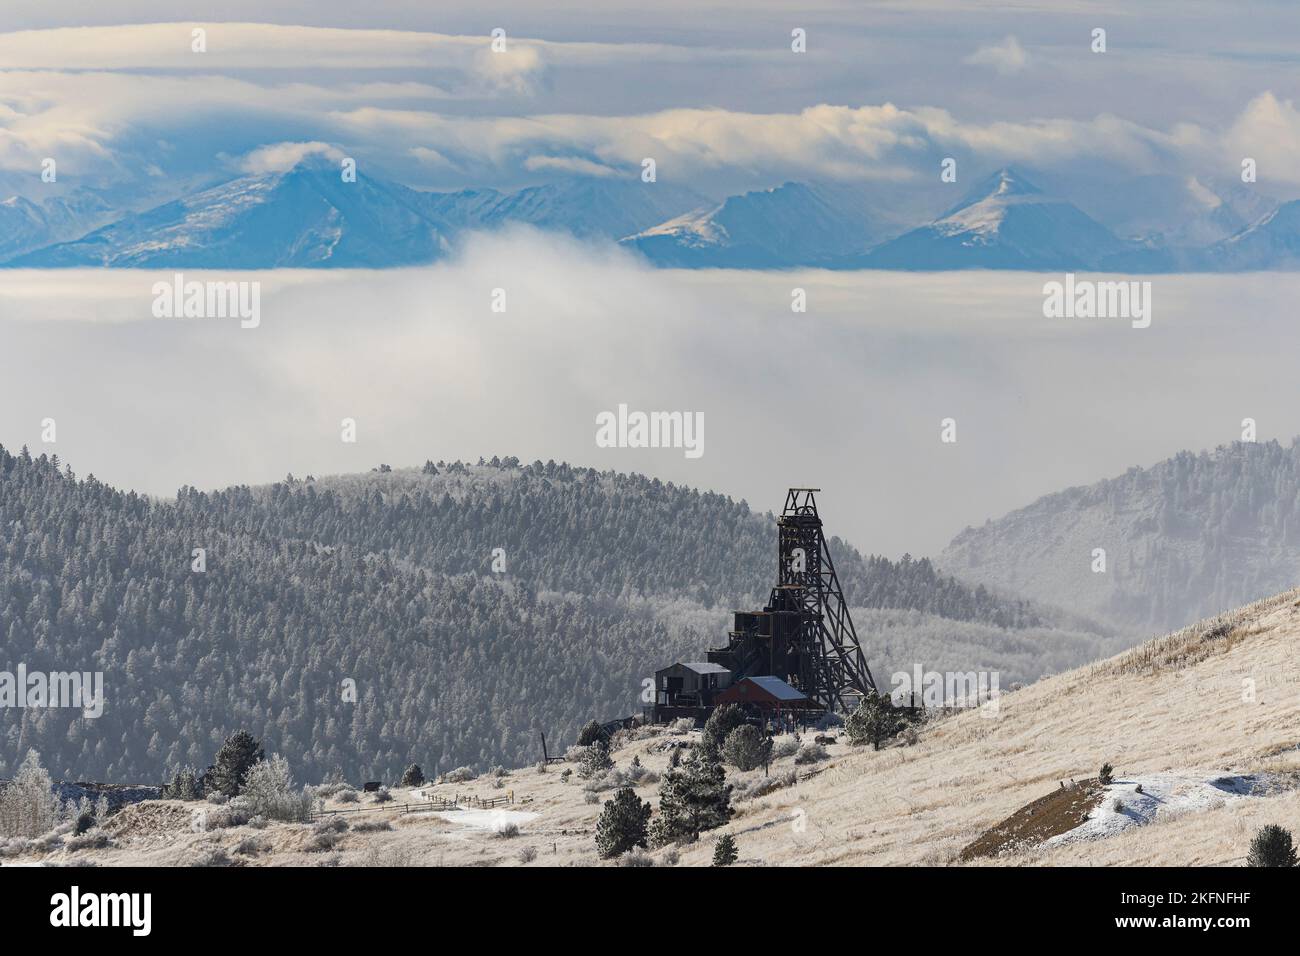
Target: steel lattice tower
pixel 832 669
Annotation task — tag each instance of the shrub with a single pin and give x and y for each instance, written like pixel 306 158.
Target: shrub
pixel 323 842
pixel 413 777
pixel 507 831
pixel 28 805
pixel 786 746
pixel 811 753
pixel 766 785
pixel 724 851
pixel 237 756
pixel 248 846
pixel 1272 846
pixel 269 792
pixel 682 725
pixel 564 777
pixel 459 775
pixel 636 857
pixel 747 748
pixel 211 856
pixel 94 840
pixel 590 796
pixel 217 798
pixel 670 856
pixel 595 760
pixel 330 825
pixel 721 722
pixel 591 733
pixel 622 824
pixel 528 854
pixel 371 826
pixel 349 796
pixel 1106 776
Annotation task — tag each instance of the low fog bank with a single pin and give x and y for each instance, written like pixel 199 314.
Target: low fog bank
pixel 848 396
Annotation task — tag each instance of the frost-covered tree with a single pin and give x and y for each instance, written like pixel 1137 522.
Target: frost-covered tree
pixel 28 804
pixel 747 748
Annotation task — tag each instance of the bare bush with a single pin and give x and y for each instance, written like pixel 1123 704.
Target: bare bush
pixel 811 753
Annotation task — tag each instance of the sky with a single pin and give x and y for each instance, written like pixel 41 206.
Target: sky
pixel 713 91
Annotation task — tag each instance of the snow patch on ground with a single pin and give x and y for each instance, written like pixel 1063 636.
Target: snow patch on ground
pixel 494 820
pixel 1164 796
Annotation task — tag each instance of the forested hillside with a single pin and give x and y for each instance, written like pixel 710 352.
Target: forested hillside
pixel 1189 537
pixel 387 579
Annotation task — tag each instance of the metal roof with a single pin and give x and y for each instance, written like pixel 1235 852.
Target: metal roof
pixel 703 667
pixel 777 688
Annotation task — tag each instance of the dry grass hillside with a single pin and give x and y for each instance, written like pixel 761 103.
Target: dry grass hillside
pixel 1187 713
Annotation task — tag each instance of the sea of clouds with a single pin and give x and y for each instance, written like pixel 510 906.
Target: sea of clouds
pixel 848 396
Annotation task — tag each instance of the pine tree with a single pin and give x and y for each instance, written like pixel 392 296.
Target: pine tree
pixel 1272 846
pixel 413 777
pixel 590 734
pixel 875 720
pixel 747 748
pixel 595 760
pixel 235 758
pixel 622 824
pixel 721 722
pixel 724 851
pixel 693 798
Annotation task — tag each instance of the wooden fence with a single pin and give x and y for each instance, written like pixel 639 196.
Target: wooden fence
pixel 467 802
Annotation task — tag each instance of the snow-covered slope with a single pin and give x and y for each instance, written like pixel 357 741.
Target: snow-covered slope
pixel 303 217
pixel 1005 223
pixel 1271 243
pixel 26 225
pixel 793 224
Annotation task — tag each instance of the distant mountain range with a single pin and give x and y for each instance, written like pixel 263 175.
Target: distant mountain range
pixel 307 217
pixel 1183 539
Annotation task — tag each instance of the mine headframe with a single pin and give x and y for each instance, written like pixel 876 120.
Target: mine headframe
pixel 805 635
pixel 834 670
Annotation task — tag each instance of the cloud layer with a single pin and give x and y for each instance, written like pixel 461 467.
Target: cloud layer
pixel 428 370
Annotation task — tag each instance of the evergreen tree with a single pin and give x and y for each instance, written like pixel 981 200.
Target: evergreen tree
pixel 692 799
pixel 1271 846
pixel 595 760
pixel 590 733
pixel 237 756
pixel 747 748
pixel 622 824
pixel 721 722
pixel 724 851
pixel 875 720
pixel 413 777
